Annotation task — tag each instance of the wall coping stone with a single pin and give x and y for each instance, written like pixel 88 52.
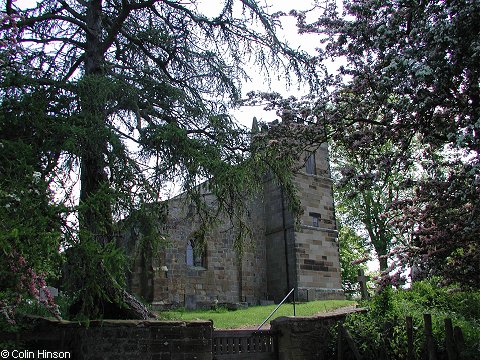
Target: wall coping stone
pixel 336 314
pixel 115 323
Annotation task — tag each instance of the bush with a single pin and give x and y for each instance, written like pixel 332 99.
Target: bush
pixel 382 333
pixel 428 294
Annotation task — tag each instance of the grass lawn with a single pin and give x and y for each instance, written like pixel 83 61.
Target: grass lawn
pixel 253 316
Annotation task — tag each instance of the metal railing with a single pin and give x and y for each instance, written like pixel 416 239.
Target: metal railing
pixel 281 303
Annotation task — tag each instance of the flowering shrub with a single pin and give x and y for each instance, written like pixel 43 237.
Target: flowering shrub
pixel 29 234
pixel 28 284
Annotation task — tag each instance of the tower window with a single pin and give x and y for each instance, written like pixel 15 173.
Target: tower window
pixel 315 219
pixel 310 164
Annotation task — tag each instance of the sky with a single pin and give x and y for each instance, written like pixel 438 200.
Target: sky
pixel 289 33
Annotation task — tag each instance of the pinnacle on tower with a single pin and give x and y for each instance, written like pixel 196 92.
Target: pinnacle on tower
pixel 255 128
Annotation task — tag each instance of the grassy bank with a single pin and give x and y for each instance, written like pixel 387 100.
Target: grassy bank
pixel 253 316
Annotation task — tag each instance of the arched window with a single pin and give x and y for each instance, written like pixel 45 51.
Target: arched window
pixel 190 261
pixel 194 256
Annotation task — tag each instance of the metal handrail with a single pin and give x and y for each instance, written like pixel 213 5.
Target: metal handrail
pixel 273 312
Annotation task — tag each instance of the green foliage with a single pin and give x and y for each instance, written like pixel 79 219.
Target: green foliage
pixel 30 230
pixel 353 254
pixel 24 313
pixel 9 330
pixel 430 294
pixel 388 310
pixel 94 271
pixel 33 308
pixel 364 191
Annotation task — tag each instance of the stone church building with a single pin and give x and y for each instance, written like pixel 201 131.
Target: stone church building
pixel 280 256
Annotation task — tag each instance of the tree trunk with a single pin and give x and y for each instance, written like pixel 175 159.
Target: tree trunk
pixel 383 262
pixel 107 299
pixel 95 217
pixel 113 303
pixel 380 246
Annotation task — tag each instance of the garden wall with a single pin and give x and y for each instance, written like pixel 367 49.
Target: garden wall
pixel 295 338
pixel 116 339
pixel 305 338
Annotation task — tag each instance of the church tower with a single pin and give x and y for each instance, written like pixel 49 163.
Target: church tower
pixel 282 254
pixel 303 256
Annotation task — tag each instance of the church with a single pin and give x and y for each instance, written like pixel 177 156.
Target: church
pixel 282 255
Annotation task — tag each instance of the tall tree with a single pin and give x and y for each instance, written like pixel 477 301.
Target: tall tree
pixel 413 67
pixel 368 181
pixel 135 94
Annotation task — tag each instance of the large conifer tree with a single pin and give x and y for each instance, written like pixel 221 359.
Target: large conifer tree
pixel 133 93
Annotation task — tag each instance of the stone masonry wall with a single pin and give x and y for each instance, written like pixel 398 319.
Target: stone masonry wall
pixel 303 255
pixel 279 234
pixel 279 256
pixel 309 338
pixel 316 246
pixel 222 278
pixel 119 340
